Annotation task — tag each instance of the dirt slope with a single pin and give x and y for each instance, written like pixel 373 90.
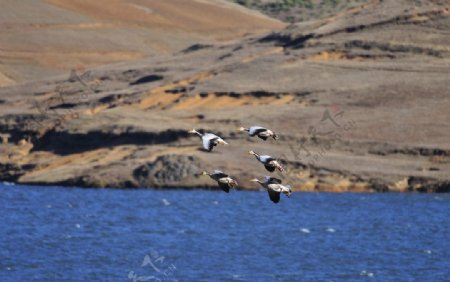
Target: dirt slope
pixel 41 38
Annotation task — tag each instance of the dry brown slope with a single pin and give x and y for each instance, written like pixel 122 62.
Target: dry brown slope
pixel 43 38
pixel 216 19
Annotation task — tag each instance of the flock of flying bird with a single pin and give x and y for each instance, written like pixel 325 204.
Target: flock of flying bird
pixel 273 185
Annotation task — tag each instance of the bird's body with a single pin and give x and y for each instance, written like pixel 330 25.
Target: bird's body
pixel 209 140
pixel 259 131
pixel 269 163
pixel 274 187
pixel 225 181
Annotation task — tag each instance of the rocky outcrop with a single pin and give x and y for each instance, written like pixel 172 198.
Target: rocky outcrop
pixel 168 171
pixel 11 172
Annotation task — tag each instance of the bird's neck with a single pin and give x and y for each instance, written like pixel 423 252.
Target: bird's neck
pixel 244 129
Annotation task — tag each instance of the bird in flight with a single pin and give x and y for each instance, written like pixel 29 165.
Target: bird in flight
pixel 269 163
pixel 274 187
pixel 224 180
pixel 259 131
pixel 209 140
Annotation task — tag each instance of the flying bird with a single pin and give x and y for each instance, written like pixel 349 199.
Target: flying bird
pixel 269 163
pixel 259 131
pixel 209 140
pixel 274 188
pixel 225 182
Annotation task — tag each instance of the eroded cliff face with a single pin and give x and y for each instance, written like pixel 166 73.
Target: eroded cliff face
pixel 360 102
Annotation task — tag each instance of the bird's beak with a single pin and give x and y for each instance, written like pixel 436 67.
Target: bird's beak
pixel 254 180
pixel 241 129
pixel 191 131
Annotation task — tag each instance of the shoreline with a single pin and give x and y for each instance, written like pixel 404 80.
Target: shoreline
pixel 206 188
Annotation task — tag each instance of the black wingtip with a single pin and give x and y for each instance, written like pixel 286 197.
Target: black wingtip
pixel 263 137
pixel 270 168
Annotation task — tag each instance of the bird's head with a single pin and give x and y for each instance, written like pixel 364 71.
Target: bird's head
pixel 275 136
pixel 192 131
pixel 251 152
pixel 204 173
pixel 242 129
pixel 254 180
pixel 221 141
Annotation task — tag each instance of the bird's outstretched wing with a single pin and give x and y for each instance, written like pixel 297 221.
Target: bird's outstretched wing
pixel 256 130
pixel 273 180
pixel 274 196
pixel 219 174
pixel 270 168
pixel 225 187
pixel 211 145
pixel 209 141
pixel 263 137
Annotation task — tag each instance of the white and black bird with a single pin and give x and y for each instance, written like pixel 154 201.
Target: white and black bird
pixel 225 181
pixel 269 163
pixel 209 140
pixel 259 131
pixel 274 188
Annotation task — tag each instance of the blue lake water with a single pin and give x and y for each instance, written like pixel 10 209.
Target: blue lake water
pixel 70 234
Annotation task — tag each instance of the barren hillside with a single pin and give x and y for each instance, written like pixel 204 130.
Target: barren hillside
pixel 360 102
pixel 41 38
